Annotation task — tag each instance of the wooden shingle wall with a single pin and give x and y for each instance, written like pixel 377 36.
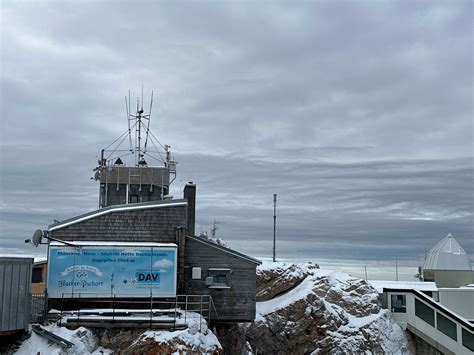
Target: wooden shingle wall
pixel 149 225
pixel 234 304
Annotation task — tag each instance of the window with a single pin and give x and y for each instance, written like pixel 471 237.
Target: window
pixel 219 278
pixel 446 326
pixel 424 312
pixel 398 303
pixel 467 339
pixel 37 275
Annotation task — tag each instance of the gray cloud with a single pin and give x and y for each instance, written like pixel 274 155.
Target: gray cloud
pixel 358 114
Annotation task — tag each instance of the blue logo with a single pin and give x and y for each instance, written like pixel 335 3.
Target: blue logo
pixel 148 277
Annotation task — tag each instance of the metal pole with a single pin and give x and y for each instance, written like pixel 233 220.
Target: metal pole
pixel 274 223
pixel 396 268
pixel 365 268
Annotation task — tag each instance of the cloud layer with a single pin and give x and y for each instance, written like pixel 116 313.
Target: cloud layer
pixel 358 114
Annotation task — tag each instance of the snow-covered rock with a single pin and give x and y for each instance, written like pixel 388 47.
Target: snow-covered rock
pixel 196 339
pixel 276 278
pixel 319 311
pixel 85 342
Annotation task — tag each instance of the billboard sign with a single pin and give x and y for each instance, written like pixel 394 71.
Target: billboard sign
pixel 108 271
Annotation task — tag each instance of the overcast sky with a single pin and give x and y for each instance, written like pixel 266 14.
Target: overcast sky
pixel 359 115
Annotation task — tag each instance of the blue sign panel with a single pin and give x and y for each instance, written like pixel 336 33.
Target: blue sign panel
pixel 96 271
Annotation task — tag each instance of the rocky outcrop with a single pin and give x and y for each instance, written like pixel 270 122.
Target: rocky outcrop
pixel 273 281
pixel 316 311
pixel 196 339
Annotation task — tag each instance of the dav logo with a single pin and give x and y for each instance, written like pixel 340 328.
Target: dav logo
pixel 148 277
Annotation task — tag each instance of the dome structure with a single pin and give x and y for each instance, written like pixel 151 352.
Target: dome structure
pixel 447 255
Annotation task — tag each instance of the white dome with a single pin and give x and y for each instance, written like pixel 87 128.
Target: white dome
pixel 447 255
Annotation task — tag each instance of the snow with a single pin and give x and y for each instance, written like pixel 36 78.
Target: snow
pixel 125 318
pixel 379 285
pixel 197 335
pixel 270 265
pixel 83 339
pixel 270 306
pixel 117 310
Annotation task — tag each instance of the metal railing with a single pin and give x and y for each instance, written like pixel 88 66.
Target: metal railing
pixel 176 311
pixel 39 309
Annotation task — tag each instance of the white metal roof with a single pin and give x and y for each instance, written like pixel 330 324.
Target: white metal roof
pixel 403 285
pixel 447 255
pixel 114 244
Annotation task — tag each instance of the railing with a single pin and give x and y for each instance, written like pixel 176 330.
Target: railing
pixel 172 312
pixel 38 308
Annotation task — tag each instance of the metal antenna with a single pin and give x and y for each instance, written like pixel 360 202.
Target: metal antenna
pixel 137 126
pixel 214 229
pixel 149 119
pixel 127 107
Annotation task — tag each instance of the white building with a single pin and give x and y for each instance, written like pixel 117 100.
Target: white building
pixel 448 265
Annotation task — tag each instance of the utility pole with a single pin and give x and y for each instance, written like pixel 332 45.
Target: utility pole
pixel 274 223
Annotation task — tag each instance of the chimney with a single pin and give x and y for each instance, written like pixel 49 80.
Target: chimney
pixel 190 195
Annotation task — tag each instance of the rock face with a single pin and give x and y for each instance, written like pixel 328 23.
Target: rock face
pixel 196 339
pixel 307 310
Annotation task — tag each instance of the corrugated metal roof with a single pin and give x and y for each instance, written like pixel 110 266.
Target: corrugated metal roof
pixel 447 255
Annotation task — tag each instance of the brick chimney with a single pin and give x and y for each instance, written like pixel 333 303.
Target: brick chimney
pixel 190 195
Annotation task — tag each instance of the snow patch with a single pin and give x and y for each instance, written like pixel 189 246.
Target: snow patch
pixel 84 343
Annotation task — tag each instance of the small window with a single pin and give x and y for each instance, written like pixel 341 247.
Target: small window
pixel 399 303
pixel 37 275
pixel 219 278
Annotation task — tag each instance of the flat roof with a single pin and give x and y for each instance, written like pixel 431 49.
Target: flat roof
pixel 117 208
pixel 403 285
pixel 114 244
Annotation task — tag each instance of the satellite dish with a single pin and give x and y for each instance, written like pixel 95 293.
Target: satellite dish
pixel 37 237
